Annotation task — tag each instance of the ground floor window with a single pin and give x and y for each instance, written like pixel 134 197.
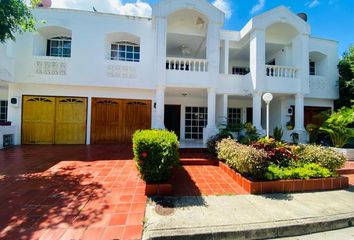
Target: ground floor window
pixel 195 121
pixel 3 111
pixel 233 115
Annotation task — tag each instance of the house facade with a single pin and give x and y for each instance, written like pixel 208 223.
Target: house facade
pixel 92 78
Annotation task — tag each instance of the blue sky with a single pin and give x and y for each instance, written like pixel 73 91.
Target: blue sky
pixel 332 19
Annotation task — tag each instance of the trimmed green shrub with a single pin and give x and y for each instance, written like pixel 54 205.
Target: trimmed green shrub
pixel 306 171
pixel 325 157
pixel 247 160
pixel 213 140
pixel 155 154
pixel 278 133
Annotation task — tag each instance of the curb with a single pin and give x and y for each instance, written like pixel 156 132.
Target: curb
pixel 264 230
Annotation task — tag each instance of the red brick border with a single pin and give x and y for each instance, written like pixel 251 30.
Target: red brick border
pixel 286 186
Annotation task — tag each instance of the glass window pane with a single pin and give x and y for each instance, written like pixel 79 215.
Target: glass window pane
pixel 114 54
pixel 136 49
pixel 130 48
pixel 67 44
pixel 129 56
pixel 121 47
pixel 121 55
pixel 114 47
pixel 137 56
pixel 53 43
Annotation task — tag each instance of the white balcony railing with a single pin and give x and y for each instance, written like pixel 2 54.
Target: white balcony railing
pixel 281 71
pixel 186 64
pixel 50 65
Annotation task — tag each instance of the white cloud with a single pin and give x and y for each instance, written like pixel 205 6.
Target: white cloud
pixel 224 6
pixel 138 8
pixel 258 7
pixel 312 3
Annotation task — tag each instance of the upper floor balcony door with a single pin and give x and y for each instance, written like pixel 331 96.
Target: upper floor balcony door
pixel 186 48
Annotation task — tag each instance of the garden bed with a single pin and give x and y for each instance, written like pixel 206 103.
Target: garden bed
pixel 286 186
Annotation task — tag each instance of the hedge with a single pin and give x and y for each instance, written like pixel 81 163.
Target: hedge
pixel 155 154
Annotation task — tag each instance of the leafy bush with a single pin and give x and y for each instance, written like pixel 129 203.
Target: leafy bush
pixel 155 154
pixel 212 141
pixel 338 126
pixel 247 160
pixel 325 157
pixel 278 133
pixel 250 135
pixel 277 152
pixel 306 171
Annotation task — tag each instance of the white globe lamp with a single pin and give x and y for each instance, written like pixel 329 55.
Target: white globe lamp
pixel 267 98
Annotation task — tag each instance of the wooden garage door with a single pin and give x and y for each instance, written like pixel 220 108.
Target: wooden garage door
pixel 38 120
pixel 115 120
pixel 70 120
pixel 53 120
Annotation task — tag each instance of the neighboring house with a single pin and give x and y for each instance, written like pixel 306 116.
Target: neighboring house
pixel 90 77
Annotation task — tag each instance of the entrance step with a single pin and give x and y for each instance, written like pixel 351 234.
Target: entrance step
pixel 347 169
pixel 198 161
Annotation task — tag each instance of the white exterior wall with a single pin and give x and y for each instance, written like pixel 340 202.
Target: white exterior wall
pixel 90 73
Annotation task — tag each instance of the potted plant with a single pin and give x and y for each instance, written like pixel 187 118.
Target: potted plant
pixel 290 125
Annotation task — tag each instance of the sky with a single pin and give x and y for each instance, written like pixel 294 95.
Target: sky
pixel 331 19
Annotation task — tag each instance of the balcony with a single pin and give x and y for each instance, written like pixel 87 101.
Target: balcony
pixel 187 72
pixel 186 64
pixel 320 87
pixel 52 66
pixel 235 84
pixel 281 79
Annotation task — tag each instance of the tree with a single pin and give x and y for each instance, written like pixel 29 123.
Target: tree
pixel 346 79
pixel 15 17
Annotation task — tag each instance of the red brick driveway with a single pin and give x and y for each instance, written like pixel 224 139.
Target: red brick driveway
pixel 70 192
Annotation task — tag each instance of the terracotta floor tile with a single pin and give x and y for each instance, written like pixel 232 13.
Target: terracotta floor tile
pixel 113 232
pixel 132 232
pixel 118 219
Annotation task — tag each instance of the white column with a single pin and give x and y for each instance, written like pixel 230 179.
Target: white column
pixel 160 108
pixel 88 127
pixel 300 47
pixel 225 106
pixel 211 108
pixel 257 108
pixel 226 56
pixel 213 52
pixel 257 59
pixel 299 113
pixel 161 26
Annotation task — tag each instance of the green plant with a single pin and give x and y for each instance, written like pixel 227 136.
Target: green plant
pixel 278 133
pixel 325 157
pixel 251 134
pixel 155 154
pixel 15 17
pixel 247 160
pixel 338 126
pixel 312 130
pixel 212 141
pixel 290 125
pixel 306 171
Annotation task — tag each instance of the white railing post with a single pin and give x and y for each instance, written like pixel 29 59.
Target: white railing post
pixel 187 64
pixel 281 71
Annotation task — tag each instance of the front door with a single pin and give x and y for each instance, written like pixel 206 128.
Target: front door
pixel 173 118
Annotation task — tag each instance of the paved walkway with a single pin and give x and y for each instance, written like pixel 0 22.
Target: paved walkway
pixel 70 192
pixel 248 216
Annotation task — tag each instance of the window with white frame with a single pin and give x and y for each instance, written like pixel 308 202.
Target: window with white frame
pixel 125 51
pixel 196 119
pixel 3 110
pixel 59 47
pixel 233 115
pixel 312 68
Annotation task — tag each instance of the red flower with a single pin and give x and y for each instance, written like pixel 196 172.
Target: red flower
pixel 144 154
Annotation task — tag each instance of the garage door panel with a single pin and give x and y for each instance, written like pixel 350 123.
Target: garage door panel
pixel 38 120
pixel 115 120
pixel 53 120
pixel 70 124
pixel 106 120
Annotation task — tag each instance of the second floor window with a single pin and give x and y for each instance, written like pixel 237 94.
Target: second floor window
pixel 59 47
pixel 312 68
pixel 125 51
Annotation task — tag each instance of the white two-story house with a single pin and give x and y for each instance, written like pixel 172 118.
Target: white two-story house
pixel 92 78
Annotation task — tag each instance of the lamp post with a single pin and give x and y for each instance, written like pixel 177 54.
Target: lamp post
pixel 267 97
